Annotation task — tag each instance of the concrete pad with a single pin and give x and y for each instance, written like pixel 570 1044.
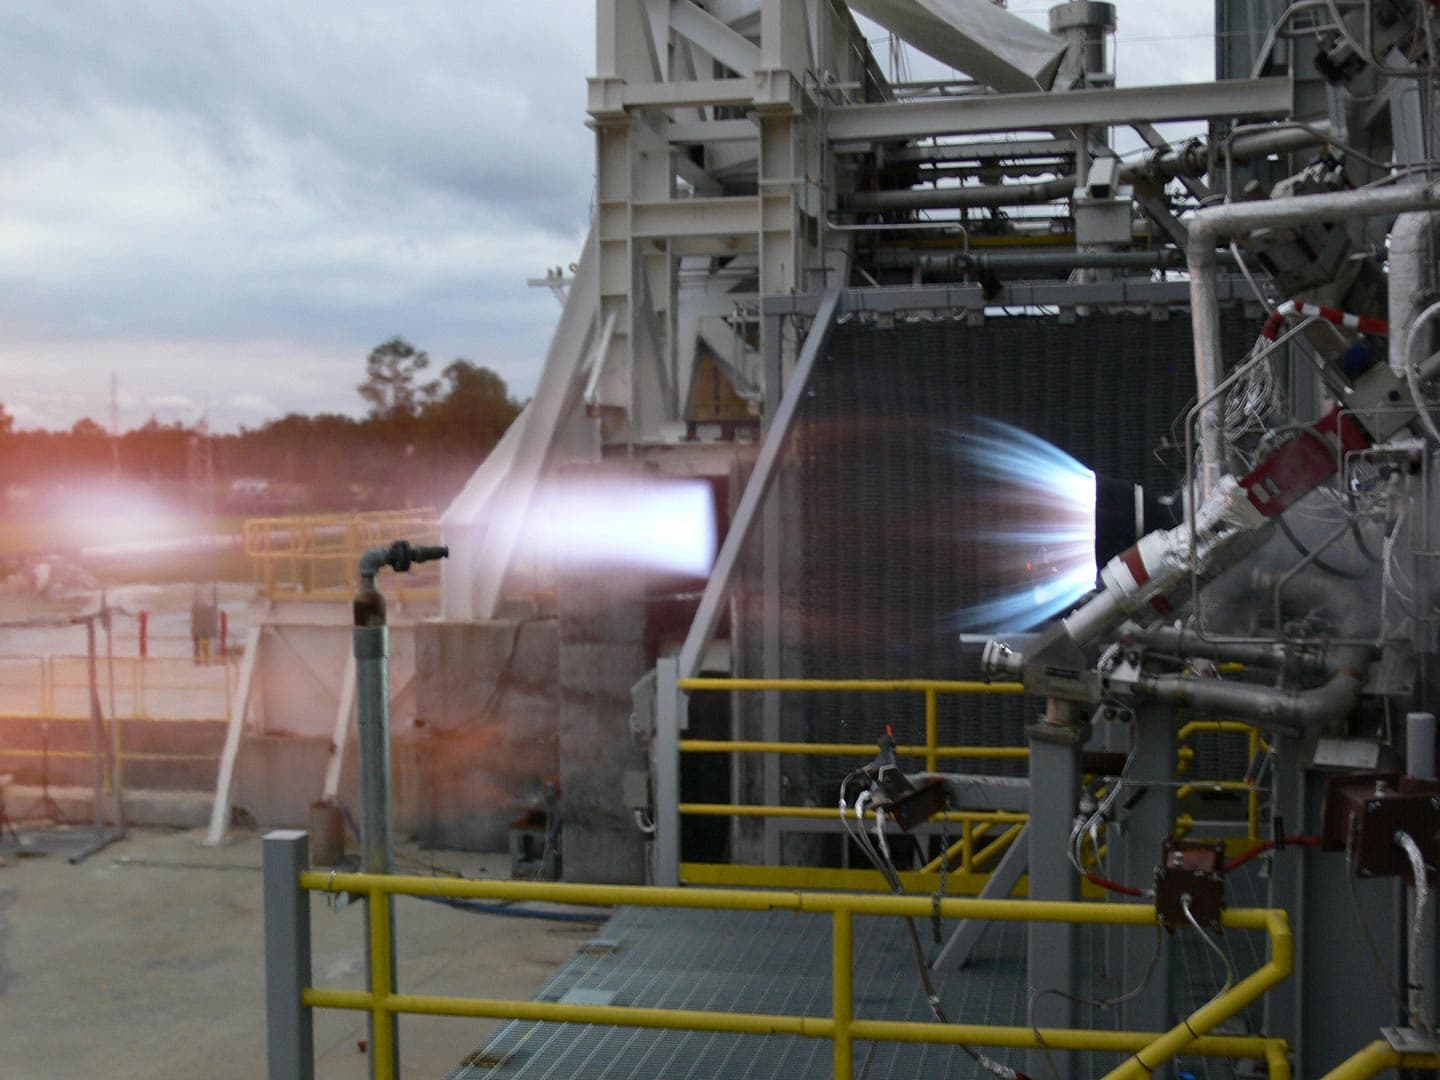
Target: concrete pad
pixel 146 961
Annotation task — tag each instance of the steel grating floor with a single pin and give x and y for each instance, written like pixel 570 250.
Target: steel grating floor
pixel 779 962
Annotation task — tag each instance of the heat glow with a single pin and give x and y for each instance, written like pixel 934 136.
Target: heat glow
pixel 660 524
pixel 1039 550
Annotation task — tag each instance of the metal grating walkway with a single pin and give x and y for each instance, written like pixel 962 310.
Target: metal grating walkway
pixel 779 962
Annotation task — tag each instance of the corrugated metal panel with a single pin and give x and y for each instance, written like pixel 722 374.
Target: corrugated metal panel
pixel 885 507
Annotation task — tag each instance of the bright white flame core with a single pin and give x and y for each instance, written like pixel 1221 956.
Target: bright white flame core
pixel 1044 542
pixel 656 523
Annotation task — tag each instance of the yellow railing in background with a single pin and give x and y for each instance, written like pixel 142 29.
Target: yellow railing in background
pixel 971 869
pixel 1187 757
pixel 58 688
pixel 1374 1059
pixel 969 862
pixel 1148 1051
pixel 320 553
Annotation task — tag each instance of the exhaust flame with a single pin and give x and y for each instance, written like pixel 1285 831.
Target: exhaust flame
pixel 1039 550
pixel 653 523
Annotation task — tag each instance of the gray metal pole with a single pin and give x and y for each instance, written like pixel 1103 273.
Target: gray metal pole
pixel 1151 819
pixel 670 703
pixel 372 677
pixel 372 684
pixel 377 838
pixel 289 1025
pixel 1053 948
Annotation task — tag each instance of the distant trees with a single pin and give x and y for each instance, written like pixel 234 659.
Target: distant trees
pixel 418 442
pixel 391 383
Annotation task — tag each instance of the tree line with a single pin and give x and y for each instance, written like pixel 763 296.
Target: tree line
pixel 417 443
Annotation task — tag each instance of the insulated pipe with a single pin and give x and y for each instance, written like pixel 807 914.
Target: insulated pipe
pixel 1412 258
pixel 1209 226
pixel 1257 141
pixel 1265 705
pixel 954 198
pixel 956 262
pixel 1178 641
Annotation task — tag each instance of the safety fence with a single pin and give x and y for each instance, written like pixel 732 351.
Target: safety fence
pixel 291 997
pixel 983 835
pixel 129 687
pixel 319 554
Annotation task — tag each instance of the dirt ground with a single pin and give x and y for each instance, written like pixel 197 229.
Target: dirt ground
pixel 145 961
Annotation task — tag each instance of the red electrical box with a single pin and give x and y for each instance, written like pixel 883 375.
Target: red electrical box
pixel 1364 811
pixel 1191 873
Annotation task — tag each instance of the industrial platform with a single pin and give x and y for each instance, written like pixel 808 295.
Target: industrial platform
pixel 779 962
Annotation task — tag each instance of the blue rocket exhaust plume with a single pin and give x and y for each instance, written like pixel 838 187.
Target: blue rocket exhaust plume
pixel 1038 550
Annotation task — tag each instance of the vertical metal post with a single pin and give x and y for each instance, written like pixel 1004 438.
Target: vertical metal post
pixel 932 730
pixel 289 1026
pixel 384 1024
pixel 842 937
pixel 772 585
pixel 97 726
pixel 1420 762
pixel 1152 817
pixel 372 678
pixel 1052 953
pixel 377 840
pixel 670 703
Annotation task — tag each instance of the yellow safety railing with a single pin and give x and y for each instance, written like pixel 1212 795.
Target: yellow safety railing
pixel 56 689
pixel 131 688
pixel 1374 1059
pixel 971 866
pixel 1148 1051
pixel 321 552
pixel 1187 756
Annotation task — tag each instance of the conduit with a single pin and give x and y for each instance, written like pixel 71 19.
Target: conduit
pixel 1209 226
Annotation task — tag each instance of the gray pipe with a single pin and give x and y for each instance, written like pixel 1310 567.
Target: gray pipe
pixel 1412 244
pixel 1059 259
pixel 1187 160
pixel 955 198
pixel 1253 142
pixel 1209 226
pixel 1178 641
pixel 1293 710
pixel 1420 745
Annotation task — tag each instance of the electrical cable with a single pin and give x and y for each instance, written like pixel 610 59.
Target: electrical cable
pixel 1412 374
pixel 479 907
pixel 1419 1012
pixel 892 877
pixel 1364 924
pixel 510 912
pixel 1268 845
pixel 1224 957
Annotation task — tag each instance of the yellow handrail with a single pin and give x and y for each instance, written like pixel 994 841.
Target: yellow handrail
pixel 1150 1049
pixel 721 746
pixel 1374 1059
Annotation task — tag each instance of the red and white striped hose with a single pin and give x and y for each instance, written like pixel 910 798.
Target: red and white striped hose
pixel 1363 323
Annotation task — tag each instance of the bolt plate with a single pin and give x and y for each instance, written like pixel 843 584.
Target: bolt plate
pixel 1408 1040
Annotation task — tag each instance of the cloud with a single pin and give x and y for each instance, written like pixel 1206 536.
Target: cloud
pixel 229 204
pixel 182 181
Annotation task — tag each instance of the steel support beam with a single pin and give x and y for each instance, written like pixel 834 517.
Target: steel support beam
pixel 960 946
pixel 897 121
pixel 712 602
pixel 718 217
pixel 1053 949
pixel 1151 819
pixel 734 50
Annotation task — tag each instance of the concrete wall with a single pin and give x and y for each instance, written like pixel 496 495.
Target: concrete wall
pixel 487 707
pixel 602 655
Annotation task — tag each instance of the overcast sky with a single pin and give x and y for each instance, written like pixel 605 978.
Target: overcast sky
pixel 227 204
